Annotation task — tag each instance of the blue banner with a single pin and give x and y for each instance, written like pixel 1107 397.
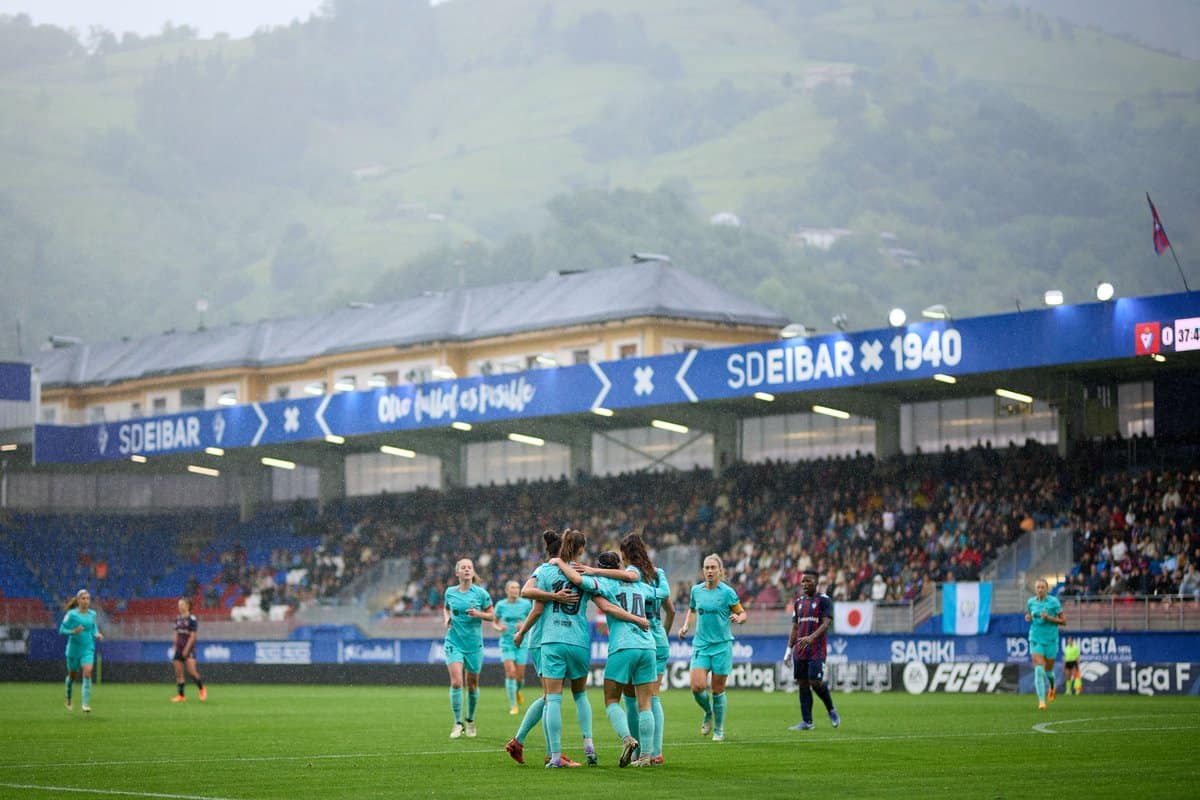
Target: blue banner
pixel 1106 648
pixel 1124 328
pixel 16 382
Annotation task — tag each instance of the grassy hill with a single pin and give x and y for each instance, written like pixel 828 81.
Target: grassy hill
pixel 110 226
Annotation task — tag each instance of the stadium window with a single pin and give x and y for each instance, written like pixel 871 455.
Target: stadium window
pixel 581 356
pixel 627 351
pixel 282 392
pixel 190 399
pixel 135 409
pixel 50 415
pixel 158 405
pixel 95 414
pixel 531 362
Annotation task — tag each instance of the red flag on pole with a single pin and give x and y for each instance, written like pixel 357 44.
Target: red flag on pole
pixel 1161 242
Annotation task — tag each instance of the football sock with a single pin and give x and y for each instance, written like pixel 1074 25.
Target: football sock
pixel 616 715
pixel 806 703
pixel 456 702
pixel 199 683
pixel 718 703
pixel 631 713
pixel 583 711
pixel 659 719
pixel 1078 685
pixel 87 691
pixel 532 717
pixel 179 688
pixel 822 691
pixel 552 721
pixel 1039 682
pixel 701 699
pixel 645 730
pixel 472 701
pixel 510 688
pixel 70 684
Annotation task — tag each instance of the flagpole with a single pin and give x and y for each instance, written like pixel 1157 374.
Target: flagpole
pixel 1158 226
pixel 1183 277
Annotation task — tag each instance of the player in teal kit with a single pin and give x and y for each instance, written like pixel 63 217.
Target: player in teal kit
pixel 1044 614
pixel 531 627
pixel 566 647
pixel 630 651
pixel 715 604
pixel 79 626
pixel 466 607
pixel 510 613
pixel 638 563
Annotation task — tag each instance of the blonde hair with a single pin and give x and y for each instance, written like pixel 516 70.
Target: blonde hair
pixel 74 601
pixel 460 562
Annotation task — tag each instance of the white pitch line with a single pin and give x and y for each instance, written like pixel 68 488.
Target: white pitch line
pixel 77 790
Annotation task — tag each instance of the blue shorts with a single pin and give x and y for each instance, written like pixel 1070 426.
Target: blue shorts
pixel 717 658
pixel 631 666
pixel 811 670
pixel 565 661
pixel 1044 649
pixel 78 662
pixel 520 655
pixel 472 660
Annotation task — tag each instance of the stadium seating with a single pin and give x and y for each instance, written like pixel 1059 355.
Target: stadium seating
pixel 913 521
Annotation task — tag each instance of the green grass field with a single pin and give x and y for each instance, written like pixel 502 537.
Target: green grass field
pixel 326 742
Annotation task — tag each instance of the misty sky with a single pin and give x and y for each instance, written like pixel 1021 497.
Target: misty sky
pixel 238 18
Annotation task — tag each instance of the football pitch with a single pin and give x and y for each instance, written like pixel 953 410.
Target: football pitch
pixel 252 742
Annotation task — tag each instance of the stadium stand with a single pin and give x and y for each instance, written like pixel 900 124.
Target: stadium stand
pixel 911 521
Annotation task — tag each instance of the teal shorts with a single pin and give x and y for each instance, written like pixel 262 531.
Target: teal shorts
pixel 472 660
pixel 717 659
pixel 662 654
pixel 535 655
pixel 1044 649
pixel 565 661
pixel 78 662
pixel 518 654
pixel 631 666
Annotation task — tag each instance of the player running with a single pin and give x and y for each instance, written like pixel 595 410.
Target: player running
pixel 79 626
pixel 1044 614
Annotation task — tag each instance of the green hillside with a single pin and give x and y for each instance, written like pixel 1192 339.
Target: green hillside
pixel 390 148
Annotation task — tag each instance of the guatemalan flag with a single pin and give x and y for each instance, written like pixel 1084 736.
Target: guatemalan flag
pixel 966 608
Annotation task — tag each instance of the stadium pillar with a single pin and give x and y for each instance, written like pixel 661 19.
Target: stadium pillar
pixel 331 480
pixel 581 453
pixel 726 444
pixel 453 466
pixel 255 484
pixel 887 429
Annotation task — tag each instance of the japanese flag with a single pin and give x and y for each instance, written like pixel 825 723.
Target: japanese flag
pixel 850 619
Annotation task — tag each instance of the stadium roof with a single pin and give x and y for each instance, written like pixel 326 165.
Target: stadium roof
pixel 560 299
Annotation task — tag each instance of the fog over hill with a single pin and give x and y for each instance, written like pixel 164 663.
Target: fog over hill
pixel 820 156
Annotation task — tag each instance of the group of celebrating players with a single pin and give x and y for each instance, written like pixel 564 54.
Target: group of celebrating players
pixel 546 620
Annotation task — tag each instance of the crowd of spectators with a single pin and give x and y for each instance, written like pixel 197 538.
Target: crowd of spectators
pixel 880 530
pixel 886 530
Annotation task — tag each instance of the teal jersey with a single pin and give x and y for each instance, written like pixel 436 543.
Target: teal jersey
pixel 534 638
pixel 634 597
pixel 512 614
pixel 662 591
pixel 1039 629
pixel 85 640
pixel 712 608
pixel 566 623
pixel 466 632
